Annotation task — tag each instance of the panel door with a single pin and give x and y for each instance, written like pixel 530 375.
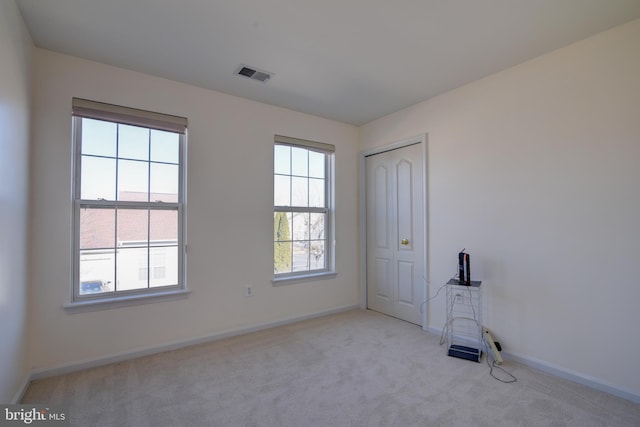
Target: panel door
pixel 395 233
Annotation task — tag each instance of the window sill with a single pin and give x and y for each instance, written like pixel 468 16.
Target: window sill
pixel 286 280
pixel 124 301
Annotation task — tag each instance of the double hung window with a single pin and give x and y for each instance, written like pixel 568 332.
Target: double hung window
pixel 302 207
pixel 129 201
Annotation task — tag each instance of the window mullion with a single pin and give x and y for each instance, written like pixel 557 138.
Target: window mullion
pixel 300 209
pixel 78 158
pixel 115 250
pixel 328 188
pixel 149 208
pixel 117 214
pixel 148 248
pixel 290 177
pixel 308 181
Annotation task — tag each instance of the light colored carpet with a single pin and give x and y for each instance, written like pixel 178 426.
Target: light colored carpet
pixel 357 368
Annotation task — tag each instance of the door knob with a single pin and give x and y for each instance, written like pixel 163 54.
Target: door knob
pixel 404 242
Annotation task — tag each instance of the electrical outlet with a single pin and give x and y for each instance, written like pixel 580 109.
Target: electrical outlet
pixel 248 291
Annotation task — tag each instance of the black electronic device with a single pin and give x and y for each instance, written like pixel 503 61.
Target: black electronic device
pixel 464 269
pixel 464 352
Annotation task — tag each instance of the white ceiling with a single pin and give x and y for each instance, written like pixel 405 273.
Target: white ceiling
pixel 348 60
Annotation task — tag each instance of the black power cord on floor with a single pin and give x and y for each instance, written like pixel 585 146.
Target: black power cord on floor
pixel 493 365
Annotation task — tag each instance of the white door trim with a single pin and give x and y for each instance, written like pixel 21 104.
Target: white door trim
pixel 418 139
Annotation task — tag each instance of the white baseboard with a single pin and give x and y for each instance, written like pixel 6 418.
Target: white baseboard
pixel 434 331
pixel 120 357
pixel 127 355
pixel 564 373
pixel 576 377
pixel 22 389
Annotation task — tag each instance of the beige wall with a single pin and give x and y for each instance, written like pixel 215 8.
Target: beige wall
pixel 230 215
pixel 15 60
pixel 535 170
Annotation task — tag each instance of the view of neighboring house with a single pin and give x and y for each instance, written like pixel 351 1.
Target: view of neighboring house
pixel 143 254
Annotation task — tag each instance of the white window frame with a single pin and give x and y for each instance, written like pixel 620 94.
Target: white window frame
pixel 81 109
pixel 329 210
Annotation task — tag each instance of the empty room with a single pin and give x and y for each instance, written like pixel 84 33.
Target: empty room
pixel 305 213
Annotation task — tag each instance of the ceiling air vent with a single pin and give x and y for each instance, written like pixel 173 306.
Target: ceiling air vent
pixel 253 73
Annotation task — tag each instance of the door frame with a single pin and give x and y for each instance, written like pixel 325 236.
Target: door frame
pixel 418 139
